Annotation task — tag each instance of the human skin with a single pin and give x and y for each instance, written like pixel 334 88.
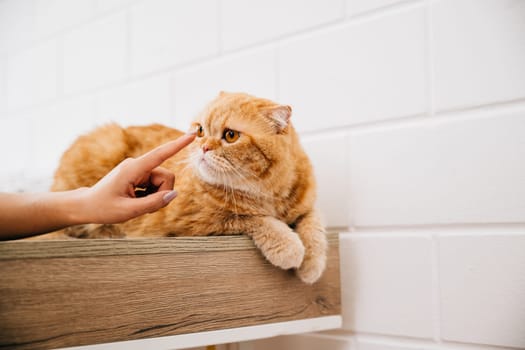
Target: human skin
pixel 111 200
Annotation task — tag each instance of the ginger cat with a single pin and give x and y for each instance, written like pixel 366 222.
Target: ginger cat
pixel 245 173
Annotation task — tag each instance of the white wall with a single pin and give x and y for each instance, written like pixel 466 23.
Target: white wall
pixel 412 111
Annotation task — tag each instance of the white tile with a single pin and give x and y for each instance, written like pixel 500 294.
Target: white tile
pixel 53 130
pixel 328 157
pixel 357 73
pixel 3 87
pixel 248 22
pixel 479 51
pixel 386 283
pixel 355 7
pixel 108 5
pixel 95 54
pixel 483 289
pixel 467 170
pixel 251 73
pixel 32 75
pixel 15 141
pixel 52 16
pixel 17 24
pixel 138 103
pixel 165 33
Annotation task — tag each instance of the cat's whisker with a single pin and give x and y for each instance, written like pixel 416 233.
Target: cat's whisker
pixel 253 190
pixel 245 177
pixel 247 183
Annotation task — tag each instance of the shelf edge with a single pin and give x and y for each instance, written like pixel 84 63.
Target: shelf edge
pixel 223 336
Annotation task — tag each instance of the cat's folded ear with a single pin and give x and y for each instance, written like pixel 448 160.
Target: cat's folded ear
pixel 279 117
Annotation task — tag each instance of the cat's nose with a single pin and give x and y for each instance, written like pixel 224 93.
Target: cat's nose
pixel 205 148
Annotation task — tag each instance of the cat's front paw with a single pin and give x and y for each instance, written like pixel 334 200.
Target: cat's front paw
pixel 312 268
pixel 286 252
pixel 314 261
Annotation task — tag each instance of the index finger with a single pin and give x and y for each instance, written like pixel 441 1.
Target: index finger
pixel 157 156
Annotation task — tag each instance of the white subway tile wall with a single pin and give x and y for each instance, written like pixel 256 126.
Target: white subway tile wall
pixel 356 73
pixel 14 136
pixel 482 284
pixel 479 52
pixel 95 54
pixel 374 300
pixel 252 72
pixel 449 170
pixel 17 24
pixel 246 23
pixel 412 111
pixel 164 33
pixel 32 75
pixel 140 102
pixel 50 14
pixel 55 127
pixel 328 155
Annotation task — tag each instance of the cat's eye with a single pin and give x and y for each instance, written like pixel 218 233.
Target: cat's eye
pixel 200 131
pixel 231 135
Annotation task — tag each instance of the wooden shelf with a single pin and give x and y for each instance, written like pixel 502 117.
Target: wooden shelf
pixel 174 292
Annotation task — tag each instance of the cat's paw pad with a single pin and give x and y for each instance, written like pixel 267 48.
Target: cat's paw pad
pixel 312 268
pixel 287 252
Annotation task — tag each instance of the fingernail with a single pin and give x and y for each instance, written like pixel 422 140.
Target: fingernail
pixel 194 132
pixel 168 197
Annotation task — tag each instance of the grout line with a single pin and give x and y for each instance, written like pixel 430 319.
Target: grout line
pixel 436 277
pixel 129 57
pixel 430 60
pixel 195 63
pixel 329 25
pixel 96 109
pixel 364 125
pixel 60 67
pixel 486 110
pixel 436 290
pixel 96 16
pixel 402 341
pixel 344 22
pixel 490 106
pixel 173 99
pixel 272 43
pixel 344 7
pixel 247 50
pixel 479 229
pixel 277 73
pixel 378 11
pixel 220 43
pixel 344 334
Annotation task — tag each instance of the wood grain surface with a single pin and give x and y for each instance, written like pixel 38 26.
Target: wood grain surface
pixel 79 292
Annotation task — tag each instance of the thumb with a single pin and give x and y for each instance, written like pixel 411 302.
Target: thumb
pixel 152 202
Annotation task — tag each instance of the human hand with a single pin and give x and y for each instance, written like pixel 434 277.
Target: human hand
pixel 113 199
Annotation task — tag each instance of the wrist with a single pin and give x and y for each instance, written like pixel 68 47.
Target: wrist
pixel 76 206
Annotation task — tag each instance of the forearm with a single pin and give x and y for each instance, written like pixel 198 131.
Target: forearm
pixel 27 214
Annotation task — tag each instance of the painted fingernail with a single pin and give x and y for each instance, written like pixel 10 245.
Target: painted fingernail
pixel 168 197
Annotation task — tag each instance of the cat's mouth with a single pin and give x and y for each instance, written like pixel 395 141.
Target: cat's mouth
pixel 205 164
pixel 207 169
pixel 214 171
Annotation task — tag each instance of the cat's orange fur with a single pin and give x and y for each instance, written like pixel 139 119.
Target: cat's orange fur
pixel 261 185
